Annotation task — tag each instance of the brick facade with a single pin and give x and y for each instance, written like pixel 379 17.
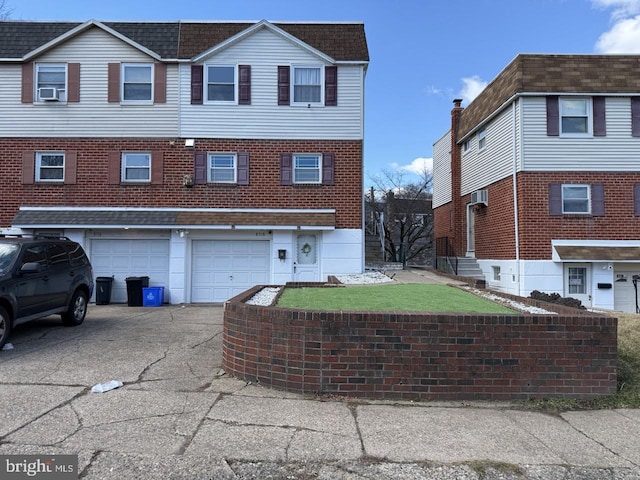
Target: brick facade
pixel 92 188
pixel 538 228
pixel 421 356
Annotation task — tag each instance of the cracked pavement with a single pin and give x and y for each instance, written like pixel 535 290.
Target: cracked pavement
pixel 179 416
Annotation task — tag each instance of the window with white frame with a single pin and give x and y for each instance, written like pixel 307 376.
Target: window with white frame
pixel 49 166
pixel 466 146
pixel 222 168
pixel 221 83
pixel 137 82
pixel 482 139
pixel 51 82
pixel 576 199
pixel 307 168
pixel 307 85
pixel 136 167
pixel 574 116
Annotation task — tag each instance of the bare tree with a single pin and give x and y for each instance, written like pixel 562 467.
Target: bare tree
pixel 5 10
pixel 403 212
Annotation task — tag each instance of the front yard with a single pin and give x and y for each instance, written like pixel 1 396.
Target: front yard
pixel 403 297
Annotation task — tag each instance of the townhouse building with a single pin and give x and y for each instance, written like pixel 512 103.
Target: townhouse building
pixel 208 156
pixel 538 180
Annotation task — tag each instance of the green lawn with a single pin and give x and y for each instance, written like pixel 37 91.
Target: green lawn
pixel 405 297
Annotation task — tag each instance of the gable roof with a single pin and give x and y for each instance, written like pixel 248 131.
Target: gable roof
pixel 184 40
pixel 553 74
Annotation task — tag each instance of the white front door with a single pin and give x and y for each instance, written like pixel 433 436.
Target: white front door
pixel 305 264
pixel 577 282
pixel 471 231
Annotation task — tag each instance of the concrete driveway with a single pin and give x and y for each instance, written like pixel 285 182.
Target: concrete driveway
pixel 178 416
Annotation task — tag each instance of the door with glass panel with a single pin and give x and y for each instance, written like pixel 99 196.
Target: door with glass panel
pixel 306 262
pixel 577 282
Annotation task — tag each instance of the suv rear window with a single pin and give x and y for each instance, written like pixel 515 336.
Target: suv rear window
pixel 58 256
pixel 78 257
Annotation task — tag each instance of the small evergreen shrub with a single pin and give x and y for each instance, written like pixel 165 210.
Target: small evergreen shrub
pixel 557 299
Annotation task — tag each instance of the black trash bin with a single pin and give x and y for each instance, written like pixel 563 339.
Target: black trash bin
pixel 134 290
pixel 103 290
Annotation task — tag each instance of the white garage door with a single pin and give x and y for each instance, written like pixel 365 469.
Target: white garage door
pixel 623 291
pixel 131 258
pixel 222 269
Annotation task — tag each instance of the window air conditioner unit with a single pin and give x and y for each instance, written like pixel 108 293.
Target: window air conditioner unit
pixel 480 196
pixel 48 93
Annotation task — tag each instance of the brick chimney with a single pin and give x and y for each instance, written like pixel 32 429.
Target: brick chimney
pixel 459 234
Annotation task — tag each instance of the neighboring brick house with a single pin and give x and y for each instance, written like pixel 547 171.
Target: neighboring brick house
pixel 208 156
pixel 539 180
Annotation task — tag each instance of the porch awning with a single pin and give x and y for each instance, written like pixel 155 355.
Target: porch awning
pixel 593 253
pixel 47 217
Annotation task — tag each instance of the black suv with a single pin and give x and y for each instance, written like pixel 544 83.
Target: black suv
pixel 41 276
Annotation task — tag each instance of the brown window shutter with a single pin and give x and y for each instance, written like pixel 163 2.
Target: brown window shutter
pixel 636 199
pixel 635 116
pixel 555 199
pixel 70 167
pixel 244 85
pixel 327 168
pixel 197 73
pixel 243 168
pixel 200 168
pixel 157 167
pixel 553 116
pixel 286 169
pixel 115 161
pixel 331 86
pixel 73 82
pixel 28 167
pixel 284 90
pixel 160 83
pixel 597 200
pixel 27 83
pixel 113 84
pixel 599 117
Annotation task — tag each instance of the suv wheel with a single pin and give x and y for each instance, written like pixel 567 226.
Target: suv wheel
pixel 77 309
pixel 5 327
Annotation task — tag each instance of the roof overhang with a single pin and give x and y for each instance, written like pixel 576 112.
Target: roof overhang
pixel 168 218
pixel 595 251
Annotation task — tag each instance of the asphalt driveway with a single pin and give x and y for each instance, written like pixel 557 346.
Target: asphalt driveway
pixel 178 416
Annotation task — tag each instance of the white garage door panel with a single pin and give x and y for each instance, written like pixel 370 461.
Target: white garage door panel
pixel 624 291
pixel 130 258
pixel 222 269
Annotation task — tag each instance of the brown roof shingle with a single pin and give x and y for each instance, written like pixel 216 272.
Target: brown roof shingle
pixel 185 40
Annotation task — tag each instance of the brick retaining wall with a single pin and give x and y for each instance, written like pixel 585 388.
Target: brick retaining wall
pixel 421 356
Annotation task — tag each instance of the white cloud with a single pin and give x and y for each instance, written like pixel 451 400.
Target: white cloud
pixel 621 8
pixel 472 88
pixel 418 166
pixel 624 35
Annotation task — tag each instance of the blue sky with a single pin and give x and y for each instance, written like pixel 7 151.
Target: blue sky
pixel 424 53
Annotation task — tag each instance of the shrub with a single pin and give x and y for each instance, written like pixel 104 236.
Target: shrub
pixel 557 299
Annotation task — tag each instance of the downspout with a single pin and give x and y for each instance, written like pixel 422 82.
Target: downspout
pixel 516 148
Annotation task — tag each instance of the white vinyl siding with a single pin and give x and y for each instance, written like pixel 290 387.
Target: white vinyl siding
pixel 264 118
pixel 495 161
pixel 618 151
pixel 442 171
pixel 92 116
